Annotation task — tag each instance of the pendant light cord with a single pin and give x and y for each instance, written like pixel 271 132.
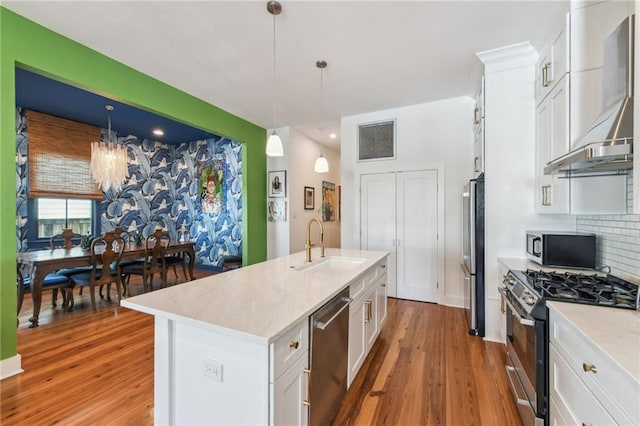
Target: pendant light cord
pixel 273 85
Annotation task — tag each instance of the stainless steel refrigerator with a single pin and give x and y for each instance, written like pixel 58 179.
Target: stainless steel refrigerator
pixel 473 254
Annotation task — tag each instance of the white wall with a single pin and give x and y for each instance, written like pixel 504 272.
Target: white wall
pixel 429 136
pixel 278 232
pixel 509 167
pixel 303 152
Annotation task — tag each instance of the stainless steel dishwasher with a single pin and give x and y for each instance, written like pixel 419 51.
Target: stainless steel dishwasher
pixel 329 357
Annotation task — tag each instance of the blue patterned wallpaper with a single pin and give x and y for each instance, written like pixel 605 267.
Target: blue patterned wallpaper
pixel 164 190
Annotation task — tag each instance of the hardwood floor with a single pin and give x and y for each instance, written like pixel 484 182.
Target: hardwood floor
pixel 85 368
pixel 425 369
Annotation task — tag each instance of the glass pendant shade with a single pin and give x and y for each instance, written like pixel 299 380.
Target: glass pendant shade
pixel 321 166
pixel 274 145
pixel 109 162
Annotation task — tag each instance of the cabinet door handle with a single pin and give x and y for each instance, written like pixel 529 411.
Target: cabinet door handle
pixel 545 195
pixel 294 344
pixel 308 373
pixel 545 74
pixel 476 114
pixel 367 311
pixel 475 164
pixel 549 73
pixel 589 368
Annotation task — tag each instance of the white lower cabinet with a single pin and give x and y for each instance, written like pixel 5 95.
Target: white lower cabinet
pixel 367 313
pixel 289 405
pixel 586 386
pixel 357 345
pixel 289 381
pixel 370 321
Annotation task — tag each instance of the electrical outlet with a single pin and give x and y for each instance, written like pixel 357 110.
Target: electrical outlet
pixel 212 368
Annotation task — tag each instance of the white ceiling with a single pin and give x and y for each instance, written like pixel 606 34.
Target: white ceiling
pixel 380 54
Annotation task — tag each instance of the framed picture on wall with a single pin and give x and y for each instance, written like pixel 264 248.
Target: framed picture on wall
pixel 309 198
pixel 277 211
pixel 328 201
pixel 278 183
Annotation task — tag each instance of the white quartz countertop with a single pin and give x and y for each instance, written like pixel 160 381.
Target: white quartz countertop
pixel 522 264
pixel 614 331
pixel 259 302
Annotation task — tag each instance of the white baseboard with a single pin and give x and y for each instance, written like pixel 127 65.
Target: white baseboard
pixel 10 366
pixel 453 301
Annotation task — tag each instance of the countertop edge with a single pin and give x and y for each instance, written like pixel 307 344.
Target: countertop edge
pixel 561 309
pixel 226 284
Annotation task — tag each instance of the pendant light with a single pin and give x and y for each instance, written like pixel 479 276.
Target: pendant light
pixel 109 161
pixel 274 143
pixel 321 165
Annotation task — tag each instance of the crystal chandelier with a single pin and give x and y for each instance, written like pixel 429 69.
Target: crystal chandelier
pixel 109 162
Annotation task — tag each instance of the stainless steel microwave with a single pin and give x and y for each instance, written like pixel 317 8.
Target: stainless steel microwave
pixel 562 249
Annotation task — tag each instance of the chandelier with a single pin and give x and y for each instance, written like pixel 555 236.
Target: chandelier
pixel 109 162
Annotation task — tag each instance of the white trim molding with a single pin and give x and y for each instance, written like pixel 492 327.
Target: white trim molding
pixel 508 57
pixel 10 366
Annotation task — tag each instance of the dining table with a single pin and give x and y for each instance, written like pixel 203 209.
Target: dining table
pixel 39 263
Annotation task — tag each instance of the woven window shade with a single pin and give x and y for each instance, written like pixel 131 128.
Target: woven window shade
pixel 59 157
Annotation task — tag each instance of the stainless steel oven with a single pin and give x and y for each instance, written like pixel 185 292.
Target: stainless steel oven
pixel 526 358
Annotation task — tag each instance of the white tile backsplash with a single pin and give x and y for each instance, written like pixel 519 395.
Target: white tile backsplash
pixel 617 238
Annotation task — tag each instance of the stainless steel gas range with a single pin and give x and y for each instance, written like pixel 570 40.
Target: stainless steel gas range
pixel 525 294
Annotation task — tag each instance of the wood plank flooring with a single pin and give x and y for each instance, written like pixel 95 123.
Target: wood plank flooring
pixel 426 370
pixel 83 368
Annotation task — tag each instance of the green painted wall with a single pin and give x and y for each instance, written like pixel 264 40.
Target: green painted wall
pixel 31 46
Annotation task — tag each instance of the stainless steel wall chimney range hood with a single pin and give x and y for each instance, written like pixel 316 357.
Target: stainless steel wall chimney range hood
pixel 608 145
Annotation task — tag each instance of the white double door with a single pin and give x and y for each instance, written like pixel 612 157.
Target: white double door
pixel 399 214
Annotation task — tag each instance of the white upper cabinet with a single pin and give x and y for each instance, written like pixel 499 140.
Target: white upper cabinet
pixel 478 132
pixel 569 93
pixel 553 62
pixel 552 141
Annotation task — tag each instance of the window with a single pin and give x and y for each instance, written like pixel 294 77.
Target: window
pixel 376 140
pixel 56 214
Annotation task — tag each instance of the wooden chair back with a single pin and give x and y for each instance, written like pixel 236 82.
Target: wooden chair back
pixel 126 235
pixel 155 248
pixel 65 239
pixel 106 252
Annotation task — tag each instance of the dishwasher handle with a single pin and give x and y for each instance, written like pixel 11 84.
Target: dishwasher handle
pixel 322 324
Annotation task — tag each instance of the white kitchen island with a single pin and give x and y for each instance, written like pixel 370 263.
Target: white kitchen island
pixel 233 348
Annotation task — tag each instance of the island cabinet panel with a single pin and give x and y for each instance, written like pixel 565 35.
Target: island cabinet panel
pixel 234 348
pixel 237 394
pixel 367 312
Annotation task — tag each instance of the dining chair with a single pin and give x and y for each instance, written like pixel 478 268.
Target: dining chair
pixel 174 259
pixel 106 252
pixel 67 239
pixel 154 261
pixel 52 281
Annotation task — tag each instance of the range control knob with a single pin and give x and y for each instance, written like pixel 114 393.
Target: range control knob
pixel 529 299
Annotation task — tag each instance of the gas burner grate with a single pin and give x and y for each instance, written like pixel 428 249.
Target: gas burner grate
pixel 583 288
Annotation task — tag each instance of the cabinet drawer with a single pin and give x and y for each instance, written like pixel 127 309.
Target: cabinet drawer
pixel 288 348
pixel 571 397
pixel 613 387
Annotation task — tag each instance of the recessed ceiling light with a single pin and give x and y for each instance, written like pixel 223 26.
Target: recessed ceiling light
pixel 158 132
pixel 333 136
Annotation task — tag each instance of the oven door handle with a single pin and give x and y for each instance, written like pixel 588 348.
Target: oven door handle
pixel 523 321
pixel 520 401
